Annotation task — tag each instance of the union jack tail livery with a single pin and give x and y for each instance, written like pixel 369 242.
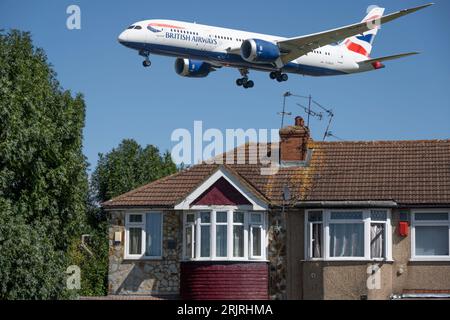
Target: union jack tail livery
pixel 362 45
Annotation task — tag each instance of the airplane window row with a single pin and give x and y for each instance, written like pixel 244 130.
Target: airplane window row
pixel 320 52
pixel 182 31
pixel 222 37
pixel 227 38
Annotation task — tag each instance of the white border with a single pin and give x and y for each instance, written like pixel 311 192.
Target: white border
pixel 326 221
pixel 256 204
pixel 415 223
pixel 141 225
pixel 247 239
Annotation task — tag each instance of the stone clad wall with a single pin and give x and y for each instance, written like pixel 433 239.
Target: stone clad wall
pixel 146 277
pixel 276 237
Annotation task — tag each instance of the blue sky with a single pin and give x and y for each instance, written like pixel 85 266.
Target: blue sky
pixel 407 100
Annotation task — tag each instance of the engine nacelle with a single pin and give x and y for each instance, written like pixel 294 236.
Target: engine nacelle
pixel 259 51
pixel 192 68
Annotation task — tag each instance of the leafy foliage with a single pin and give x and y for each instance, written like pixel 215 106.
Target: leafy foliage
pixel 45 200
pixel 127 167
pixel 43 181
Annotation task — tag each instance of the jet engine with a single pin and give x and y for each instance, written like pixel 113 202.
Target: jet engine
pixel 259 51
pixel 192 68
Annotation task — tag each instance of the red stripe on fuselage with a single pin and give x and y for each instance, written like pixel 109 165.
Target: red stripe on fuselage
pixel 164 25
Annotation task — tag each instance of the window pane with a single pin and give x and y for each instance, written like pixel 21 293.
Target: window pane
pixel 189 242
pixel 317 240
pixel 205 241
pixel 378 215
pixel 135 246
pixel 432 241
pixel 256 218
pixel 315 216
pixel 205 217
pixel 238 241
pixel 238 217
pixel 221 241
pixel 432 216
pixel 153 234
pixel 347 240
pixel 346 215
pixel 190 218
pixel 256 241
pixel 377 235
pixel 221 217
pixel 135 217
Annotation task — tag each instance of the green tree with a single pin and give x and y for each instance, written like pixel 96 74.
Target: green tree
pixel 43 181
pixel 124 168
pixel 127 167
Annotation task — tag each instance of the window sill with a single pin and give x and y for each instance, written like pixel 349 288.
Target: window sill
pixel 224 260
pixel 143 258
pixel 430 259
pixel 349 260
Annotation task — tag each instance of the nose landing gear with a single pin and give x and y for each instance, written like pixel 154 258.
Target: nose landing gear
pixel 146 63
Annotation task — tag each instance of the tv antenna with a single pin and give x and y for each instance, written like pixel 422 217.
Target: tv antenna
pixel 311 111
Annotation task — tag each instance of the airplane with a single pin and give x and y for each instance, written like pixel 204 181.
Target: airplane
pixel 201 49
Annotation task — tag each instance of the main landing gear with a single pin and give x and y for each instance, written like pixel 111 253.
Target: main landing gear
pixel 244 81
pixel 146 63
pixel 280 77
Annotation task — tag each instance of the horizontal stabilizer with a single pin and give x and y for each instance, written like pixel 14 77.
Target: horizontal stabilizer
pixel 394 57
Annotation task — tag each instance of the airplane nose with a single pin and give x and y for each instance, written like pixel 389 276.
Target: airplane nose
pixel 122 37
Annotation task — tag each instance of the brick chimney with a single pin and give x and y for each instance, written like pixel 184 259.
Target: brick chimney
pixel 293 143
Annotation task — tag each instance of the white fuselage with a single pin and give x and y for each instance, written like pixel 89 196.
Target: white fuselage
pixel 220 47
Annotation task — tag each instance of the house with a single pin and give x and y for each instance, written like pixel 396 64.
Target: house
pixel 338 220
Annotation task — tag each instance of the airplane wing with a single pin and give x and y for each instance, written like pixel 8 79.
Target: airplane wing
pixel 397 56
pixel 294 48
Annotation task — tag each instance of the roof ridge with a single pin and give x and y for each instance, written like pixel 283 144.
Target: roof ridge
pixel 379 141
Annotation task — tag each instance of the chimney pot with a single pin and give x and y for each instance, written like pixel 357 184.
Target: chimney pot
pixel 299 122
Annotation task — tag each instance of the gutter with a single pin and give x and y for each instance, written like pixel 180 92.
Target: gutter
pixel 346 204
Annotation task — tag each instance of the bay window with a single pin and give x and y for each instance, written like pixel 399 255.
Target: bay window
pixel 143 235
pixel 347 235
pixel 430 235
pixel 226 234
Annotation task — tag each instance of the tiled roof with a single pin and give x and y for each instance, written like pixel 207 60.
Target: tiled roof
pixel 407 172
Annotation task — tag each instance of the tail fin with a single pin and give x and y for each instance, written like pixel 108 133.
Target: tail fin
pixel 362 44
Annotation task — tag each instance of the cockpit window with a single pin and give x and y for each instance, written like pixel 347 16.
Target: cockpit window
pixel 138 27
pixel 131 27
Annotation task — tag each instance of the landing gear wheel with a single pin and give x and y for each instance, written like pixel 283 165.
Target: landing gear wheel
pixel 282 77
pixel 273 75
pixel 146 63
pixel 239 82
pixel 250 84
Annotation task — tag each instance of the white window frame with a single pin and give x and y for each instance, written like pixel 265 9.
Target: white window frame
pixel 247 237
pixel 142 225
pixel 308 236
pixel 432 223
pixel 366 221
pixel 252 226
pixel 192 226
